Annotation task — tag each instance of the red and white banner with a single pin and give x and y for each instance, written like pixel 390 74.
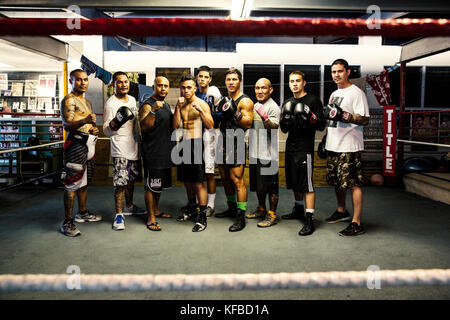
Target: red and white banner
pixel 389 140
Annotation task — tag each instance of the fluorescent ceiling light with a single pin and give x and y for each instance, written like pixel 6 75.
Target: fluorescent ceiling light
pixel 4 65
pixel 240 9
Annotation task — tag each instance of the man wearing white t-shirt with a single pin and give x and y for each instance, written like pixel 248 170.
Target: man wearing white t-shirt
pixel 347 112
pixel 121 125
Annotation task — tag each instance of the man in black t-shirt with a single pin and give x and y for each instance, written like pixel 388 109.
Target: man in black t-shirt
pixel 300 118
pixel 156 126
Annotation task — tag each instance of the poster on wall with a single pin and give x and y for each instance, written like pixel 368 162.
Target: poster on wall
pixel 3 81
pixel 47 85
pixel 17 89
pixel 31 88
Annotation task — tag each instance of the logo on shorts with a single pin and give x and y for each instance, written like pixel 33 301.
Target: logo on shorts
pixel 155 183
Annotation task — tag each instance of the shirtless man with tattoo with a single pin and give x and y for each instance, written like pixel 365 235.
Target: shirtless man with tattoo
pixel 79 149
pixel 194 113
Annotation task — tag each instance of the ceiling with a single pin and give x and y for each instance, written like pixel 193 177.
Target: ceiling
pixel 221 9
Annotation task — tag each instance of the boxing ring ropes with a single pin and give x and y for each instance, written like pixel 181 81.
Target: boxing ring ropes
pixel 249 27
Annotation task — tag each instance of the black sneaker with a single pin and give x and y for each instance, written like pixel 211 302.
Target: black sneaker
pixel 200 222
pixel 69 229
pixel 297 213
pixel 338 217
pixel 352 230
pixel 231 212
pixel 189 212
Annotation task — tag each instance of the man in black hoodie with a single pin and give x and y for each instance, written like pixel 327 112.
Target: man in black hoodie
pixel 300 119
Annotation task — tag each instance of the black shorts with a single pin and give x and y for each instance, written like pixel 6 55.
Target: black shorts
pixel 237 154
pixel 157 179
pixel 260 182
pixel 192 169
pixel 299 171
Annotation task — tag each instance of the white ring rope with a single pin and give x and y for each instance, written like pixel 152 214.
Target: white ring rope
pixel 29 148
pixel 427 143
pixel 201 282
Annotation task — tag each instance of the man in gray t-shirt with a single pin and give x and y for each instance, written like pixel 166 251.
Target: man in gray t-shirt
pixel 263 153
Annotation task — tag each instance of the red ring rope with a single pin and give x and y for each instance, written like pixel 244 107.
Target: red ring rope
pixel 226 27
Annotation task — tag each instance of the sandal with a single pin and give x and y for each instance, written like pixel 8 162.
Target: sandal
pixel 155 225
pixel 163 215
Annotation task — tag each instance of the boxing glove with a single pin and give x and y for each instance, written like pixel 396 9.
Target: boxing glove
pixel 213 94
pixel 123 115
pixel 335 113
pixel 299 114
pixel 259 108
pixel 229 110
pixel 321 151
pixel 310 116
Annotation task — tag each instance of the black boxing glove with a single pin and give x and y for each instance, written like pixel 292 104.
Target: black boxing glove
pixel 229 110
pixel 287 112
pixel 310 116
pixel 335 113
pixel 321 151
pixel 123 115
pixel 299 114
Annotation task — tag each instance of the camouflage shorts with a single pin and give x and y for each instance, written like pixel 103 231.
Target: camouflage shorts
pixel 124 171
pixel 344 169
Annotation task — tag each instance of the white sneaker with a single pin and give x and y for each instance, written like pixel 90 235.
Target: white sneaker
pixel 134 210
pixel 119 222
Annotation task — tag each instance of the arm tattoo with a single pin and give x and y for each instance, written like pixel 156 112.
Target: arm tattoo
pixel 360 120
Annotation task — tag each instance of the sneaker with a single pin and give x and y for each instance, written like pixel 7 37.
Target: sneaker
pixel 119 222
pixel 134 210
pixel 87 217
pixel 209 212
pixel 268 221
pixel 189 215
pixel 352 230
pixel 200 222
pixel 338 216
pixel 297 213
pixel 69 229
pixel 231 212
pixel 257 213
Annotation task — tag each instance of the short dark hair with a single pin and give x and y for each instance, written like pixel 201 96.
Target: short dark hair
pixel 204 68
pixel 187 77
pixel 118 73
pixel 75 71
pixel 234 70
pixel 300 73
pixel 341 62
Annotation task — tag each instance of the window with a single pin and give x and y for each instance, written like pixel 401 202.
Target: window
pixel 413 87
pixel 254 72
pixel 437 84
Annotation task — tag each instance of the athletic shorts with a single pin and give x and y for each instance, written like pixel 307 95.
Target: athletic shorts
pixel 344 169
pixel 190 170
pixel 260 182
pixel 79 151
pixel 158 179
pixel 237 154
pixel 125 171
pixel 299 171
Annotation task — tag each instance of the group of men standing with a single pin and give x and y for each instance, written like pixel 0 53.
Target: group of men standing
pixel 213 129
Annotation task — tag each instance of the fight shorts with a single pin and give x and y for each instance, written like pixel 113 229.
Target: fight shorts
pixel 260 182
pixel 157 179
pixel 125 171
pixel 79 150
pixel 210 145
pixel 299 171
pixel 344 169
pixel 235 154
pixel 192 169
